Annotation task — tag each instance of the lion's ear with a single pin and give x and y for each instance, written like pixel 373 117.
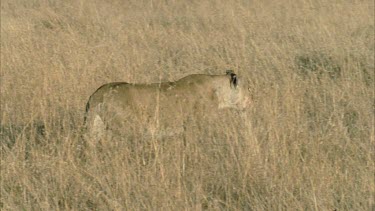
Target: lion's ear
pixel 233 80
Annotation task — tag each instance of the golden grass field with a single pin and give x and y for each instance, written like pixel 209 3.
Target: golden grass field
pixel 309 139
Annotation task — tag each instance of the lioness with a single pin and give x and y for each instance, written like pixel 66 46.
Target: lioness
pixel 161 109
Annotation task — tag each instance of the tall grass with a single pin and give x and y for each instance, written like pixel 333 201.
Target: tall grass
pixel 310 63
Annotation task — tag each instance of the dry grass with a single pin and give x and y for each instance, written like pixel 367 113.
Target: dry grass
pixel 311 144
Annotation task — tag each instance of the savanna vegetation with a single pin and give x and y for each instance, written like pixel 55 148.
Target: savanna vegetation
pixel 307 142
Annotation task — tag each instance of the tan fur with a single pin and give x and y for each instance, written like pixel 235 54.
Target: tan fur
pixel 160 109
